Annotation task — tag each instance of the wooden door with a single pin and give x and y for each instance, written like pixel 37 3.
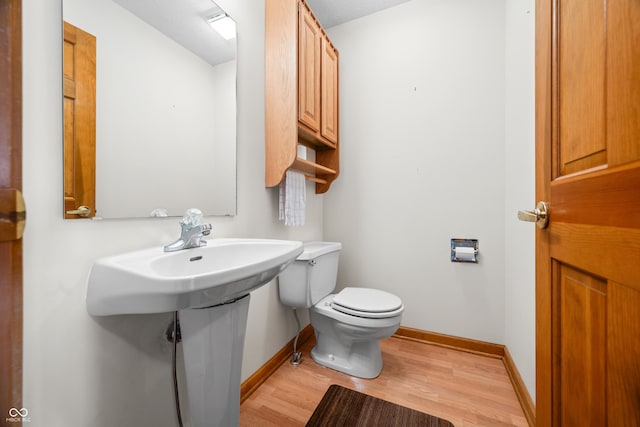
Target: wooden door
pixel 588 170
pixel 309 38
pixel 79 122
pixel 329 88
pixel 10 183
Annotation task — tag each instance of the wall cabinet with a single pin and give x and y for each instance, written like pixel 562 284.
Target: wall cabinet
pixel 309 45
pixel 329 85
pixel 301 71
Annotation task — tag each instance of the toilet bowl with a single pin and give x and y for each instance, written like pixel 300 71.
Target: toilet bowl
pixel 349 324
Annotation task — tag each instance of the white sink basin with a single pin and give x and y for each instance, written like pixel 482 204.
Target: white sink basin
pixel 154 281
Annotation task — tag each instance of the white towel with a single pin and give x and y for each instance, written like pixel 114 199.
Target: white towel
pixel 293 197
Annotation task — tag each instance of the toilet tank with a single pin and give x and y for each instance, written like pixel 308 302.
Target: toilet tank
pixel 312 276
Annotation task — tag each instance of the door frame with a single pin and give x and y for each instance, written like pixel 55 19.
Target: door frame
pixel 10 177
pixel 544 116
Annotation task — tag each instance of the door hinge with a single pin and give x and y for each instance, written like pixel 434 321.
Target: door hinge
pixel 13 215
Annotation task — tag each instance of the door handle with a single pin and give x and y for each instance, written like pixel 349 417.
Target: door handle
pixel 82 211
pixel 540 215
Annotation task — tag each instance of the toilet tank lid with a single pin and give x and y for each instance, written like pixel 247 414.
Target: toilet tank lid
pixel 313 250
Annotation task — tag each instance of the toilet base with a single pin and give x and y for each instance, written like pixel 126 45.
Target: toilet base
pixel 363 359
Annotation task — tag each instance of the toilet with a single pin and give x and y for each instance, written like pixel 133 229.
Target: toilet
pixel 349 324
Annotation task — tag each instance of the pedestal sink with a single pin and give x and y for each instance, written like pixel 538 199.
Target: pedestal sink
pixel 209 286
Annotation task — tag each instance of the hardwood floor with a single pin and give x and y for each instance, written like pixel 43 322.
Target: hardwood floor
pixel 464 388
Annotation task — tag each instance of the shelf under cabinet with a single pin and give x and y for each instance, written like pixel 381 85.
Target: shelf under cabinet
pixel 311 168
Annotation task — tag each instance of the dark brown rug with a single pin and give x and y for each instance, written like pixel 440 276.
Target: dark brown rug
pixel 344 407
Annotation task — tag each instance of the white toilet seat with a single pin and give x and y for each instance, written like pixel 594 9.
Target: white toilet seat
pixel 367 303
pixel 325 308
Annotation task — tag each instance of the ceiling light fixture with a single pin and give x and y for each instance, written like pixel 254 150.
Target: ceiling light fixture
pixel 224 25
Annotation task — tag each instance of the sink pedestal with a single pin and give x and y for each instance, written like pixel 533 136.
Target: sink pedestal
pixel 212 343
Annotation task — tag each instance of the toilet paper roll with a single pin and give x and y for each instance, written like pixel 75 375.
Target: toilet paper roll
pixel 464 253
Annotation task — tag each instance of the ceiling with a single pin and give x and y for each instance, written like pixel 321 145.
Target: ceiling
pixel 336 12
pixel 184 20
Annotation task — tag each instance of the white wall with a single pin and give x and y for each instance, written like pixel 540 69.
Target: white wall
pixel 422 138
pixel 80 370
pixel 437 142
pixel 520 328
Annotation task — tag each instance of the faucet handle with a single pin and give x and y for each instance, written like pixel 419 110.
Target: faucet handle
pixel 192 218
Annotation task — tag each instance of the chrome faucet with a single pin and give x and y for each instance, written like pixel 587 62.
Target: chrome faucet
pixel 192 232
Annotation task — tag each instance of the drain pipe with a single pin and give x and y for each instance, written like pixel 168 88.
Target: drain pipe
pixel 173 335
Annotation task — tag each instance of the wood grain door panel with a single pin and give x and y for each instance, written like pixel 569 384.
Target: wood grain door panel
pixel 623 81
pixel 623 349
pixel 588 169
pixel 581 77
pixel 580 349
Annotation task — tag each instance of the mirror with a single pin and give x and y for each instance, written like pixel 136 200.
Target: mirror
pixel 164 113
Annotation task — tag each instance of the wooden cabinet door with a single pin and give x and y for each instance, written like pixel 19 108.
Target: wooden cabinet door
pixel 588 169
pixel 79 121
pixel 329 88
pixel 309 38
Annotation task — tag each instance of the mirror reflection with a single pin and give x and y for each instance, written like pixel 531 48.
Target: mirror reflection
pixel 160 102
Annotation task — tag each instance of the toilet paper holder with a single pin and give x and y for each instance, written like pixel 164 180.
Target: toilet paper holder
pixel 464 250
